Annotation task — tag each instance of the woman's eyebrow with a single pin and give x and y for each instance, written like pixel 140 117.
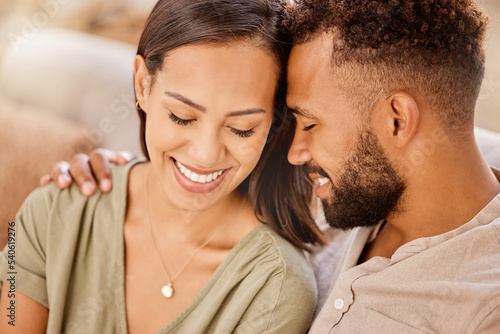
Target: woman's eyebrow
pixel 185 100
pixel 245 112
pixel 192 104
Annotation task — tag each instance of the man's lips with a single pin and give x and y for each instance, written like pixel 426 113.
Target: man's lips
pixel 320 178
pixel 322 189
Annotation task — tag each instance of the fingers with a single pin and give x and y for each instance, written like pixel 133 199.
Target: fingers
pixel 82 174
pixel 44 180
pixel 83 168
pixel 60 175
pixel 124 158
pixel 100 160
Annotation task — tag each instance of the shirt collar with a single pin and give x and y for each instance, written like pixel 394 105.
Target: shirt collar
pixel 488 214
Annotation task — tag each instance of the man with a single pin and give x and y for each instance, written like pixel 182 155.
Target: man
pixel 384 94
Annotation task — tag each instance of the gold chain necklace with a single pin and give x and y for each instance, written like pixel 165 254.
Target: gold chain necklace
pixel 168 290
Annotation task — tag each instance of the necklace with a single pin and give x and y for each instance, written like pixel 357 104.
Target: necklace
pixel 168 289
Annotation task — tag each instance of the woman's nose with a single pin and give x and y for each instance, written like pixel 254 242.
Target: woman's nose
pixel 207 149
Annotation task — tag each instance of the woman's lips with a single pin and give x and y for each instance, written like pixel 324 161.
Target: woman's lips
pixel 195 180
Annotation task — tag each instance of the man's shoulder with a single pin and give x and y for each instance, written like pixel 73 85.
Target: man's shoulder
pixel 496 226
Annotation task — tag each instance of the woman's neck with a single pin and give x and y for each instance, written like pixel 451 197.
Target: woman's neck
pixel 194 226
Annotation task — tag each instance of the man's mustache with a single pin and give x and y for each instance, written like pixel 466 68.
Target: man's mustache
pixel 310 168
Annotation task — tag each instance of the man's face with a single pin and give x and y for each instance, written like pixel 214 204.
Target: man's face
pixel 356 182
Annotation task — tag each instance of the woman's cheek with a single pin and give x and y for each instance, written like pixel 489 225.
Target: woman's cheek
pixel 160 136
pixel 250 149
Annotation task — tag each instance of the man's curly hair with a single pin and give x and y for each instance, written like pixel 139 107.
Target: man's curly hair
pixel 430 47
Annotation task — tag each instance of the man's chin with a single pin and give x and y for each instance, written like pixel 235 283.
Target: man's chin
pixel 345 219
pixel 367 190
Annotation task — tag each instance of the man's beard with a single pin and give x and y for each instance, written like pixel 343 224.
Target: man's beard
pixel 367 190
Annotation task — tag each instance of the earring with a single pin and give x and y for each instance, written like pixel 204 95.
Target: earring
pixel 137 106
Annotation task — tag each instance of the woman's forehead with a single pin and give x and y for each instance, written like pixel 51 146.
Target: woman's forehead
pixel 221 75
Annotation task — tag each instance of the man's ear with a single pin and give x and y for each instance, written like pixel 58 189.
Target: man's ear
pixel 142 81
pixel 400 117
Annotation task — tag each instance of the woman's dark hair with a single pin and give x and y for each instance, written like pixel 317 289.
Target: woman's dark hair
pixel 280 193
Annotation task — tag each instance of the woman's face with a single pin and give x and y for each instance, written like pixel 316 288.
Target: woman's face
pixel 209 111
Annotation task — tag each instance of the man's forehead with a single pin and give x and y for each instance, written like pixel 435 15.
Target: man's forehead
pixel 310 59
pixel 309 72
pixel 320 46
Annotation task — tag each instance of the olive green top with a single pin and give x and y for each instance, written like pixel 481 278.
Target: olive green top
pixel 69 257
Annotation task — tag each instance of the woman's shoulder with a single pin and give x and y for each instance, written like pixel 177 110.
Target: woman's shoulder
pixel 51 192
pixel 287 293
pixel 48 204
pixel 51 221
pixel 273 250
pixel 288 253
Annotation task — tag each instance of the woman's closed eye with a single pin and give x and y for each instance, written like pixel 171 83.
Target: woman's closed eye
pixel 242 134
pixel 178 120
pixel 184 122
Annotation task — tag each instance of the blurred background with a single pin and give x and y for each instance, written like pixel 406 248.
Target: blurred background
pixel 66 85
pixel 488 108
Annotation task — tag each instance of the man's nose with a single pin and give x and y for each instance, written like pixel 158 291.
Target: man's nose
pixel 299 153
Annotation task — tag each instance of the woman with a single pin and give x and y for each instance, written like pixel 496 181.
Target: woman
pixel 179 245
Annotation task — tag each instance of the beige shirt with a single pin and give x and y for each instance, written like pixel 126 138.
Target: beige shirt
pixel 449 283
pixel 69 257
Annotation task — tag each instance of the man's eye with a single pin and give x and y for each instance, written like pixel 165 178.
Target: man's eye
pixel 307 128
pixel 243 134
pixel 180 121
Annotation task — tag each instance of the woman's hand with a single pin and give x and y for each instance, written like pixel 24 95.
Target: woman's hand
pixel 86 169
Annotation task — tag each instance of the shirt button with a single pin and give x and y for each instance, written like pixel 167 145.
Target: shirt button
pixel 338 304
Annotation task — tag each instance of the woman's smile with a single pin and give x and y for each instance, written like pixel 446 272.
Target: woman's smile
pixel 196 180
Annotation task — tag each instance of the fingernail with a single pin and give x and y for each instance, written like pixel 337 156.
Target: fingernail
pixel 63 179
pixel 127 155
pixel 87 188
pixel 105 185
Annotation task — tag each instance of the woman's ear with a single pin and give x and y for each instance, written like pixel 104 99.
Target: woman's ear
pixel 142 82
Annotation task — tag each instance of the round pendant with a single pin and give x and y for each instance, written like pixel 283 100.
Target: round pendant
pixel 167 291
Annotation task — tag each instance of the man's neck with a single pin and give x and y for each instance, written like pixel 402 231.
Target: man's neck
pixel 441 196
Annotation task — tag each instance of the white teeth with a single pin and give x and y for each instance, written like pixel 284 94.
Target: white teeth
pixel 323 181
pixel 195 177
pixel 181 167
